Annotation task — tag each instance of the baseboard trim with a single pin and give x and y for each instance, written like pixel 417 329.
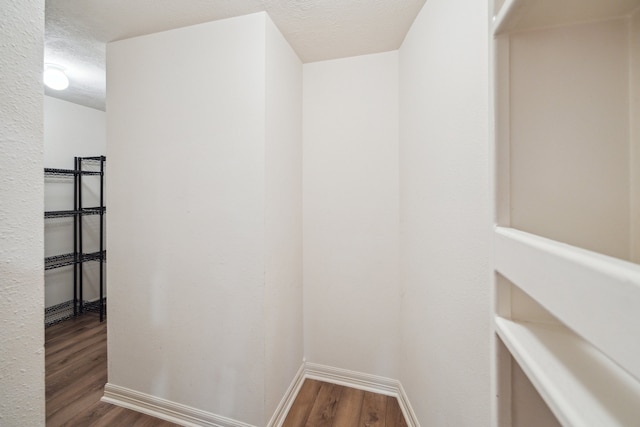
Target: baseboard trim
pixel 191 417
pixel 165 409
pixel 287 400
pixel 353 379
pixel 407 410
pixel 367 382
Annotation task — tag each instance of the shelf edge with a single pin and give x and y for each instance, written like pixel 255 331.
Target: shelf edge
pixel 502 19
pixel 580 385
pixel 595 295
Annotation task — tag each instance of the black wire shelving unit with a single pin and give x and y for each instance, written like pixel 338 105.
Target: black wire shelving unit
pixel 78 257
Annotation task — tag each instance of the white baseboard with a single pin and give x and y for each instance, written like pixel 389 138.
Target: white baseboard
pixel 409 416
pixel 367 382
pixel 165 409
pixel 191 417
pixel 353 379
pixel 287 400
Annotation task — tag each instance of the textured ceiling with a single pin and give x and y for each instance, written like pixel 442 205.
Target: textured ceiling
pixel 77 31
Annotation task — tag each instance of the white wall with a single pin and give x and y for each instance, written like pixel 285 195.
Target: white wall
pixel 634 81
pixel 350 213
pixel 283 218
pixel 204 216
pixel 70 130
pixel 445 214
pixel 569 126
pixel 185 130
pixel 21 224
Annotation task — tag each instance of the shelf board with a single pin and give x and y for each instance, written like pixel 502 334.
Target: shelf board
pixel 59 172
pixel 595 295
pixel 60 214
pixel 58 261
pixel 581 386
pixel 51 172
pixel 94 256
pixel 94 173
pixel 522 15
pixel 71 213
pixel 93 211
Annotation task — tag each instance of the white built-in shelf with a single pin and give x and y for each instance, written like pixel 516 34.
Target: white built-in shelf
pixel 595 295
pixel 522 15
pixel 566 89
pixel 581 386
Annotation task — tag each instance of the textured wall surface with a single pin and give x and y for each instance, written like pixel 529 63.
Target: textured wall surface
pixel 445 214
pixel 350 213
pixel 21 207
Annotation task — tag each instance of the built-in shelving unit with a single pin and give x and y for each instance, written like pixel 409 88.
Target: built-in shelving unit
pixel 566 79
pixel 581 385
pixel 79 256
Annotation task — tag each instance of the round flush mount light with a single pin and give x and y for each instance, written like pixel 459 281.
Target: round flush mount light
pixel 55 78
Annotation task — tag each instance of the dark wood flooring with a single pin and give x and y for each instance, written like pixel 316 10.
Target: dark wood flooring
pixel 75 375
pixel 76 371
pixel 324 404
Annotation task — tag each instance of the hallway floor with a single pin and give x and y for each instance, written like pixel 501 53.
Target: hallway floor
pixel 75 374
pixel 76 371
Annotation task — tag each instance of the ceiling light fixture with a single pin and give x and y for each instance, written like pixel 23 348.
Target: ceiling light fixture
pixel 55 78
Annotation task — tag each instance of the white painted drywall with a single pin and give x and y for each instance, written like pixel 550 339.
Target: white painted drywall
pixel 21 215
pixel 71 130
pixel 445 210
pixel 527 407
pixel 570 135
pixel 634 90
pixel 185 190
pixel 350 213
pixel 283 218
pixel 204 196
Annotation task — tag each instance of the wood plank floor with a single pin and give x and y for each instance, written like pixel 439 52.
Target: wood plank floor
pixel 75 374
pixel 324 404
pixel 76 371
